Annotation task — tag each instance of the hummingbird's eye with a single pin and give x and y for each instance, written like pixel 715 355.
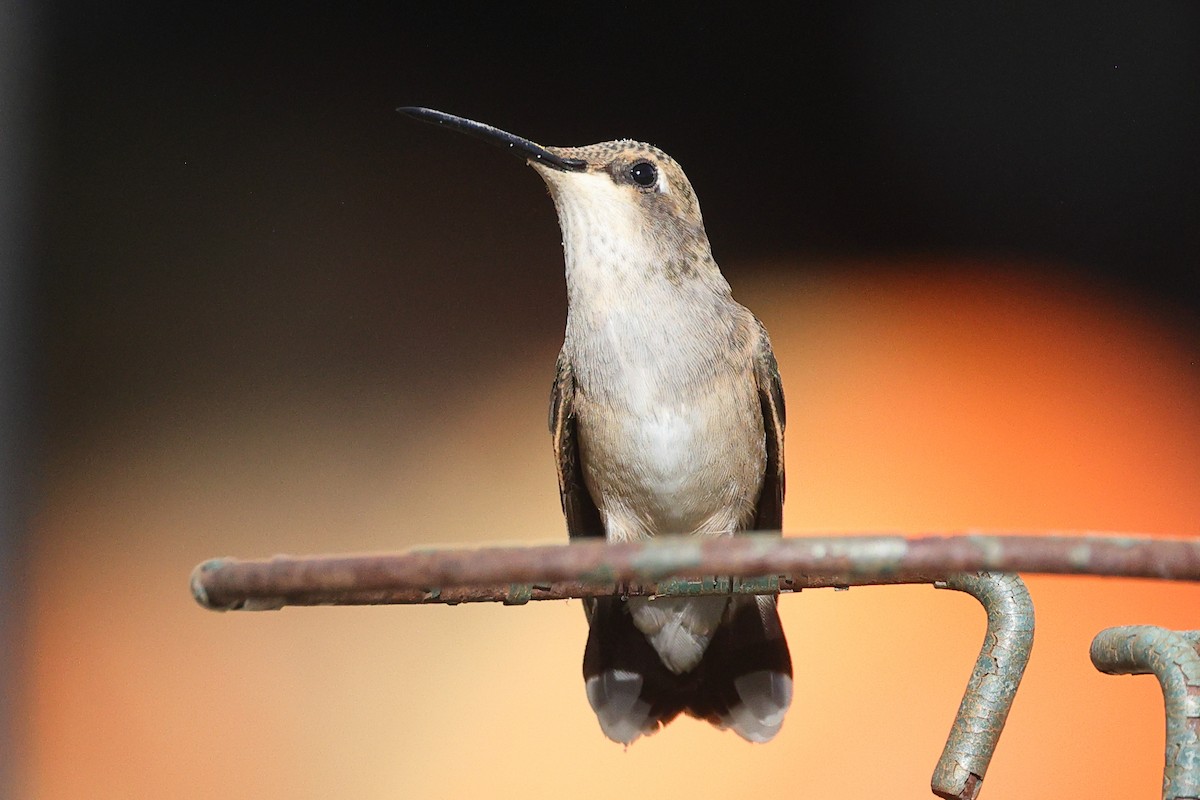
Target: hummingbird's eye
pixel 644 174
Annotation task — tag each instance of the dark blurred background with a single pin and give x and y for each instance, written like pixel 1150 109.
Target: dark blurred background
pixel 219 223
pixel 205 172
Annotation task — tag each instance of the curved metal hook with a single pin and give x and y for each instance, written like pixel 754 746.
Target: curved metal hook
pixel 1172 657
pixel 993 684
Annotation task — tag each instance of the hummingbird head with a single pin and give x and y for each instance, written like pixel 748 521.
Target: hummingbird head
pixel 624 207
pixel 631 198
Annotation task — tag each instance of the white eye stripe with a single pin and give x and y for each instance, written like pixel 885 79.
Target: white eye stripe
pixel 663 186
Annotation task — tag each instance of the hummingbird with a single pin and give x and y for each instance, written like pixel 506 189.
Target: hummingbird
pixel 667 417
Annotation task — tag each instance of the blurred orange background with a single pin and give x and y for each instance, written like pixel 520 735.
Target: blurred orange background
pixel 266 314
pixel 924 396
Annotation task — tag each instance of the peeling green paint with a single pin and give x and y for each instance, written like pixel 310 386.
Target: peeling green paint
pixel 877 557
pixel 992 550
pixel 692 587
pixel 1126 542
pixel 518 594
pixel 1080 556
pixel 993 684
pixel 1172 657
pixel 664 558
pixel 766 584
pixel 196 584
pixel 603 573
pixel 264 603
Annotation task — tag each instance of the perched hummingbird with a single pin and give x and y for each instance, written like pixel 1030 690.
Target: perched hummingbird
pixel 667 416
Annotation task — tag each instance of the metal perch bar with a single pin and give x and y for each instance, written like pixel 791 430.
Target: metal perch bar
pixel 591 568
pixel 516 575
pixel 1172 657
pixel 993 683
pixel 986 701
pixel 981 714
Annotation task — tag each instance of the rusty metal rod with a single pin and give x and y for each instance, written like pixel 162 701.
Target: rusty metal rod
pixel 1172 657
pixel 992 686
pixel 227 584
pixel 513 594
pixel 465 575
pixel 982 712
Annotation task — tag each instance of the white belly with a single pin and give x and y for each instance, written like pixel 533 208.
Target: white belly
pixel 684 465
pixel 668 444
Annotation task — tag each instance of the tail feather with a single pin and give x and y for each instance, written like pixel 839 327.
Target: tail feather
pixel 748 672
pixel 628 686
pixel 743 682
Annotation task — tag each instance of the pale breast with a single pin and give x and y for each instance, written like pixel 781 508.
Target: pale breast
pixel 679 459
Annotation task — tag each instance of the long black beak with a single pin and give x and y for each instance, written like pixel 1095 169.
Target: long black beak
pixel 522 147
